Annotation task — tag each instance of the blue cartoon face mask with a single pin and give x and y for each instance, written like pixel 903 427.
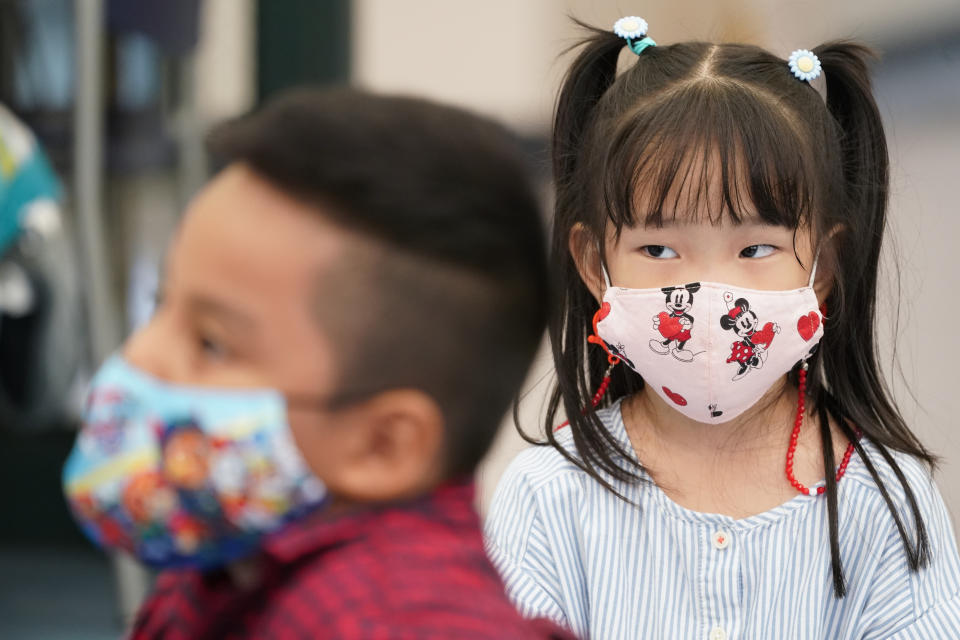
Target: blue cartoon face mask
pixel 184 476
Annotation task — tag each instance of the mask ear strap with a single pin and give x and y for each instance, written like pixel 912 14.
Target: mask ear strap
pixel 813 271
pixel 603 268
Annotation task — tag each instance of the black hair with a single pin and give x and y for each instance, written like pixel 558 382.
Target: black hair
pixel 451 299
pixel 657 131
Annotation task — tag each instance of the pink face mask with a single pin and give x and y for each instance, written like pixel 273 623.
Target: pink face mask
pixel 710 350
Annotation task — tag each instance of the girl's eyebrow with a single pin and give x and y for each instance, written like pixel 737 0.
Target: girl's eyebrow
pixel 663 224
pixel 752 221
pixel 756 221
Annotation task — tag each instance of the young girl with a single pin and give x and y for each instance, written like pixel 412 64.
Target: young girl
pixel 718 220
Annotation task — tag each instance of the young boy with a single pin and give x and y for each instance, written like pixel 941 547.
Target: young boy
pixel 379 262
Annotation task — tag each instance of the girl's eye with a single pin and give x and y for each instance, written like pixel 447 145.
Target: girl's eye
pixel 758 251
pixel 658 251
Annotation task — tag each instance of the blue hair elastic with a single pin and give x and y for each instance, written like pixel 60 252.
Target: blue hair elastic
pixel 633 29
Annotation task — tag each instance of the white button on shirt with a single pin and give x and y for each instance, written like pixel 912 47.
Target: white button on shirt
pixel 718 634
pixel 721 539
pixel 608 568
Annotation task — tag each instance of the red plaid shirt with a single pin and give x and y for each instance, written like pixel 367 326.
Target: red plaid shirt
pixel 416 570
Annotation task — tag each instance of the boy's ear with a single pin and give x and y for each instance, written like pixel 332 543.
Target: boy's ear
pixel 390 447
pixel 586 256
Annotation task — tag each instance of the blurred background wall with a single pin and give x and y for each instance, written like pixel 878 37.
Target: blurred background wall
pixel 170 68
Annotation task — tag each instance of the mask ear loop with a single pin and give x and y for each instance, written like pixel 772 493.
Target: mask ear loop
pixel 612 359
pixel 595 338
pixel 813 271
pixel 813 277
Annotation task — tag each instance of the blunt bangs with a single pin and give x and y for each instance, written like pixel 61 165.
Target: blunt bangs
pixel 708 150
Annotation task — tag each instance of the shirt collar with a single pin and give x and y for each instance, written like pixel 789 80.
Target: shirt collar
pixel 447 506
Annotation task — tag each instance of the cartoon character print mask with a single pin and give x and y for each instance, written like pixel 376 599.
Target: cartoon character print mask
pixel 710 350
pixel 184 476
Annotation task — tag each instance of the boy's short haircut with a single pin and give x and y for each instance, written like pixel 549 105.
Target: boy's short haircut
pixel 450 294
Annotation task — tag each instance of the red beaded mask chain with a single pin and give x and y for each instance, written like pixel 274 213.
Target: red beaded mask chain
pixel 611 359
pixel 795 436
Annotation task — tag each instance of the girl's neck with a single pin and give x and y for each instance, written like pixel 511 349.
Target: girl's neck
pixel 735 468
pixel 767 423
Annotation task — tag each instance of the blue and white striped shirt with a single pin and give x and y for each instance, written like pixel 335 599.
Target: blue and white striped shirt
pixel 570 550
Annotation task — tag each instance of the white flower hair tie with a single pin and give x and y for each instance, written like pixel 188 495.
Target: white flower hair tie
pixel 633 29
pixel 805 65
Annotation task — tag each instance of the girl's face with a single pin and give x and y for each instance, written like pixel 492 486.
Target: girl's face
pixel 751 254
pixel 694 244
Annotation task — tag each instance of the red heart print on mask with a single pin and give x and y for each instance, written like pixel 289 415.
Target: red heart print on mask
pixel 764 337
pixel 676 397
pixel 807 325
pixel 669 326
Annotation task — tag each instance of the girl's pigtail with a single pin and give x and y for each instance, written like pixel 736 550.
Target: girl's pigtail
pixel 588 79
pixel 849 350
pixel 863 144
pixel 833 520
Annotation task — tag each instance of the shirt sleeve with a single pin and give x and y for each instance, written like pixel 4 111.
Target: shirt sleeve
pixel 517 543
pixel 923 605
pixel 941 621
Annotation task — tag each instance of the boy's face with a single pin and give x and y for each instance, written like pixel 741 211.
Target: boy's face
pixel 235 312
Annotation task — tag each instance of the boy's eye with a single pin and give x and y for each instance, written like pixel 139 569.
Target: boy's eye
pixel 658 251
pixel 758 251
pixel 159 297
pixel 212 348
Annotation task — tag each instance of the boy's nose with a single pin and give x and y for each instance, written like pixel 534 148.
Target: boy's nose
pixel 154 350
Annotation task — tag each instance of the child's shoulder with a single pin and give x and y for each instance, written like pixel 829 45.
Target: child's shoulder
pixel 925 598
pixel 542 466
pixel 917 474
pixel 863 498
pixel 543 488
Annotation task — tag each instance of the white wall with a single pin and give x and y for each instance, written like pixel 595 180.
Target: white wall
pixel 493 56
pixel 225 82
pixel 501 56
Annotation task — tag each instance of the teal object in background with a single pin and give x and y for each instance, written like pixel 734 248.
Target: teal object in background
pixel 25 177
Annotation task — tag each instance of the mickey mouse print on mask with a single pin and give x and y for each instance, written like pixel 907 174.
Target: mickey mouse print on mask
pixel 675 324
